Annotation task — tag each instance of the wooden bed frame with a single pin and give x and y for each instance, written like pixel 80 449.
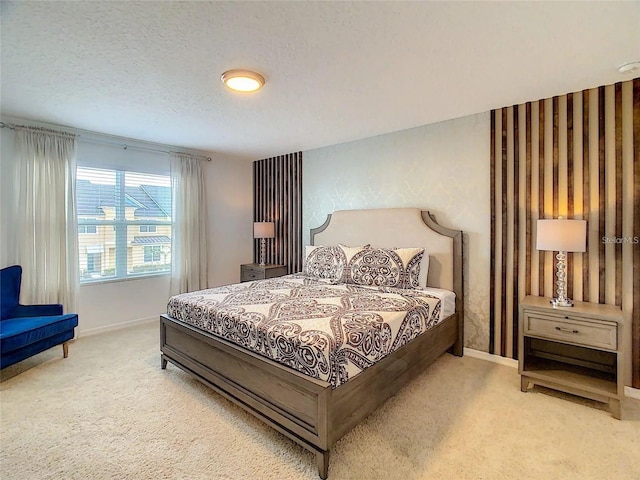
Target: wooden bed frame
pixel 307 410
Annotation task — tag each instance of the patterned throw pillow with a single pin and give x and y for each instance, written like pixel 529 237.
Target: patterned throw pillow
pixel 323 262
pixel 384 267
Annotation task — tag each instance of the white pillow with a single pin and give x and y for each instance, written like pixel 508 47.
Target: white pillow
pixel 424 270
pixel 349 252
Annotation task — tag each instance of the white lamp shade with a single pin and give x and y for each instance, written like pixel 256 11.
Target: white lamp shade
pixel 263 230
pixel 561 235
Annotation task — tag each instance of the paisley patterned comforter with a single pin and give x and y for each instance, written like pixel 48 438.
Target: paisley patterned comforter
pixel 329 332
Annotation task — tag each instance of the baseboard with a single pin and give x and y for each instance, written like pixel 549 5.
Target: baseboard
pixel 632 392
pixel 117 326
pixel 508 362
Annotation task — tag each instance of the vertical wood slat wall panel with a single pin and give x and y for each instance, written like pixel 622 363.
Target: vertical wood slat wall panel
pixel 528 167
pixel 586 135
pixel 492 283
pixel 503 229
pixel 586 190
pixel 535 189
pixel 541 255
pixel 556 157
pixel 277 194
pixel 619 197
pixel 516 232
pixel 570 176
pixel 576 185
pixel 498 238
pixel 548 193
pixel 602 174
pixel 635 327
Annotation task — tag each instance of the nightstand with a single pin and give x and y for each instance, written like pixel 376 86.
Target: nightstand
pixel 577 350
pixel 254 271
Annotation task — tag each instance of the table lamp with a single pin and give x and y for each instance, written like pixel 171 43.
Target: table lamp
pixel 562 236
pixel 263 230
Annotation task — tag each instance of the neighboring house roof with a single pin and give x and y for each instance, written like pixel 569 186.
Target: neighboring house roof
pixel 151 201
pixel 150 240
pixel 156 200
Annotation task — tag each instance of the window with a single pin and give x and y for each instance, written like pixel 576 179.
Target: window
pixel 116 207
pixel 87 229
pixel 93 262
pixel 152 253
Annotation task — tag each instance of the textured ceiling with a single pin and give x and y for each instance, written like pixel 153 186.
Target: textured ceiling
pixel 335 71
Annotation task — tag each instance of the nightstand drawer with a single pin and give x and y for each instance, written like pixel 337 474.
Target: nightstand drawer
pixel 254 271
pixel 569 329
pixel 248 275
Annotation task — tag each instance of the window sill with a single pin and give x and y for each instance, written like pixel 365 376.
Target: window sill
pixel 89 283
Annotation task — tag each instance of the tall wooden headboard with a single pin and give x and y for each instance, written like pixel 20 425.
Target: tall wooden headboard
pixel 401 227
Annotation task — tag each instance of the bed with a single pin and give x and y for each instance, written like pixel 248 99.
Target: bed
pixel 316 407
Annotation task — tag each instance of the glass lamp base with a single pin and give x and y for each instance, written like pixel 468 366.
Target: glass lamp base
pixel 561 268
pixel 561 302
pixel 263 249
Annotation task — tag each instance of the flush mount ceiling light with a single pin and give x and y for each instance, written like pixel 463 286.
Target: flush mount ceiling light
pixel 242 80
pixel 629 67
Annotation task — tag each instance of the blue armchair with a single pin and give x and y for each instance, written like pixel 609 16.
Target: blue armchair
pixel 26 330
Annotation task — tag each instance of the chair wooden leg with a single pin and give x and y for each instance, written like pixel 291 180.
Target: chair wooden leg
pixel 65 349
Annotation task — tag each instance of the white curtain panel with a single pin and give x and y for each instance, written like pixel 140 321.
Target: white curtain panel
pixel 46 226
pixel 189 235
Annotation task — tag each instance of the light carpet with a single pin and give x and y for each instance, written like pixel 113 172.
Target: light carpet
pixel 109 412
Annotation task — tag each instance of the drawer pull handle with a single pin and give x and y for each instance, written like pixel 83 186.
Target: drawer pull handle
pixel 568 330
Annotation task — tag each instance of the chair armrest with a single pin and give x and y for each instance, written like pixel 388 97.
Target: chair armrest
pixel 36 310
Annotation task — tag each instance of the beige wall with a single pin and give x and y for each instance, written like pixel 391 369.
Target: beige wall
pixel 104 306
pixel 230 206
pixel 442 167
pixel 6 196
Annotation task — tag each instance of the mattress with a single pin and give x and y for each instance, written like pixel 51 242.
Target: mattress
pixel 326 331
pixel 447 300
